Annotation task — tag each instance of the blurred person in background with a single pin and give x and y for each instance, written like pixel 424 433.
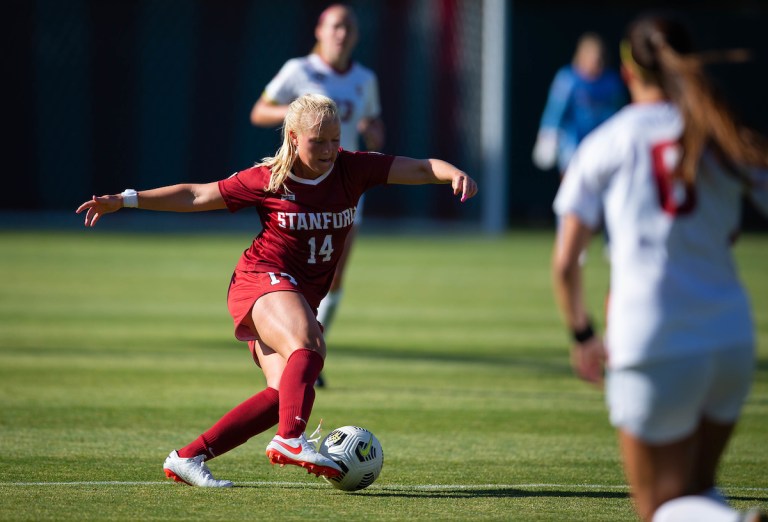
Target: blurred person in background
pixel 669 172
pixel 583 95
pixel 305 196
pixel 330 70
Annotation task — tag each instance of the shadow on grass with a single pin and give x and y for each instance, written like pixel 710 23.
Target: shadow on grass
pixel 460 492
pixel 500 492
pixel 764 498
pixel 534 358
pixel 512 492
pixel 464 492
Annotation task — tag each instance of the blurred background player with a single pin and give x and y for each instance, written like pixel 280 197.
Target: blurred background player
pixel 669 171
pixel 306 196
pixel 583 95
pixel 329 70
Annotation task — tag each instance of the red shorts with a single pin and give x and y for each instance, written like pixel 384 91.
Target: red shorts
pixel 246 288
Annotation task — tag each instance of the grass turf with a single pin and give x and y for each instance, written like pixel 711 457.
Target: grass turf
pixel 116 348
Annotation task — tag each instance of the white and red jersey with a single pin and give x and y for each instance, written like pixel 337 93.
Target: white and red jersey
pixel 305 227
pixel 674 284
pixel 355 91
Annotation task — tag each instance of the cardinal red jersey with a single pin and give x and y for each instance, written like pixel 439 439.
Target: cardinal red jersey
pixel 304 227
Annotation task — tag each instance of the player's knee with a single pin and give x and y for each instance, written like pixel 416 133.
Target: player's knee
pixel 312 343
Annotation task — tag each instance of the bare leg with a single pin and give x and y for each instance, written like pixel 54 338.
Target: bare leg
pixel 713 439
pixel 656 474
pixel 659 473
pixel 285 324
pixel 272 364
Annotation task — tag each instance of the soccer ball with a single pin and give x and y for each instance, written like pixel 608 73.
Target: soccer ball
pixel 358 453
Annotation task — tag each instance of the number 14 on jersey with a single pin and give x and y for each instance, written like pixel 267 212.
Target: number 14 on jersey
pixel 325 252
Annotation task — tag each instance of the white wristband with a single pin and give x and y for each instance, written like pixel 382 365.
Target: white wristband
pixel 130 198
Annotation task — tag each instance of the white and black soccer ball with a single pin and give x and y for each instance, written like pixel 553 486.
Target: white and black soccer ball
pixel 358 453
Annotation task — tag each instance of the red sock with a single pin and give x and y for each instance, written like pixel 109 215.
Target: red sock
pixel 257 414
pixel 297 392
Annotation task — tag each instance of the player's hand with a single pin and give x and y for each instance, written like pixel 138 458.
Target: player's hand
pixel 464 185
pixel 545 150
pixel 588 360
pixel 98 206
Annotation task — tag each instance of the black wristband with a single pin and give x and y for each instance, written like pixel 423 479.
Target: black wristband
pixel 585 334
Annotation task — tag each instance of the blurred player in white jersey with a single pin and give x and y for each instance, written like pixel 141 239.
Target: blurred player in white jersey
pixel 668 173
pixel 330 70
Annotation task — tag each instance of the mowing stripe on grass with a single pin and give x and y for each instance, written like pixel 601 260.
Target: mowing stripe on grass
pixel 387 487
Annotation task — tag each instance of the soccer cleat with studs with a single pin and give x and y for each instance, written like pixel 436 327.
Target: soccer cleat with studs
pixel 193 472
pixel 300 451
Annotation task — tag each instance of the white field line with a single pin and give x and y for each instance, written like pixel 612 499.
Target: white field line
pixel 384 487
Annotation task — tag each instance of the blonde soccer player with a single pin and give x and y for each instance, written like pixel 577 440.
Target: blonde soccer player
pixel 306 197
pixel 330 70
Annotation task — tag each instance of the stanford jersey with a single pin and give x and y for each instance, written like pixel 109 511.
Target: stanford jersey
pixel 304 227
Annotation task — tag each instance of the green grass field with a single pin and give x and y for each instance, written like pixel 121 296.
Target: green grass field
pixel 117 348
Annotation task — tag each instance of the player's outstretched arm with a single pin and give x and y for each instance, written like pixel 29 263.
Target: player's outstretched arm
pixel 409 171
pixel 187 197
pixel 265 113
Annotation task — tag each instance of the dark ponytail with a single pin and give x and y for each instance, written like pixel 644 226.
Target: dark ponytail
pixel 660 48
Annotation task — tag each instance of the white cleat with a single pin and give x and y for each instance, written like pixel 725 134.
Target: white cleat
pixel 301 452
pixel 192 471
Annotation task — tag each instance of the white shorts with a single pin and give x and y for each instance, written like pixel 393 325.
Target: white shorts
pixel 665 401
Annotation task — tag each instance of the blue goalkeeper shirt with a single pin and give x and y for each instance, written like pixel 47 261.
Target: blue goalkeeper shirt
pixel 576 105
